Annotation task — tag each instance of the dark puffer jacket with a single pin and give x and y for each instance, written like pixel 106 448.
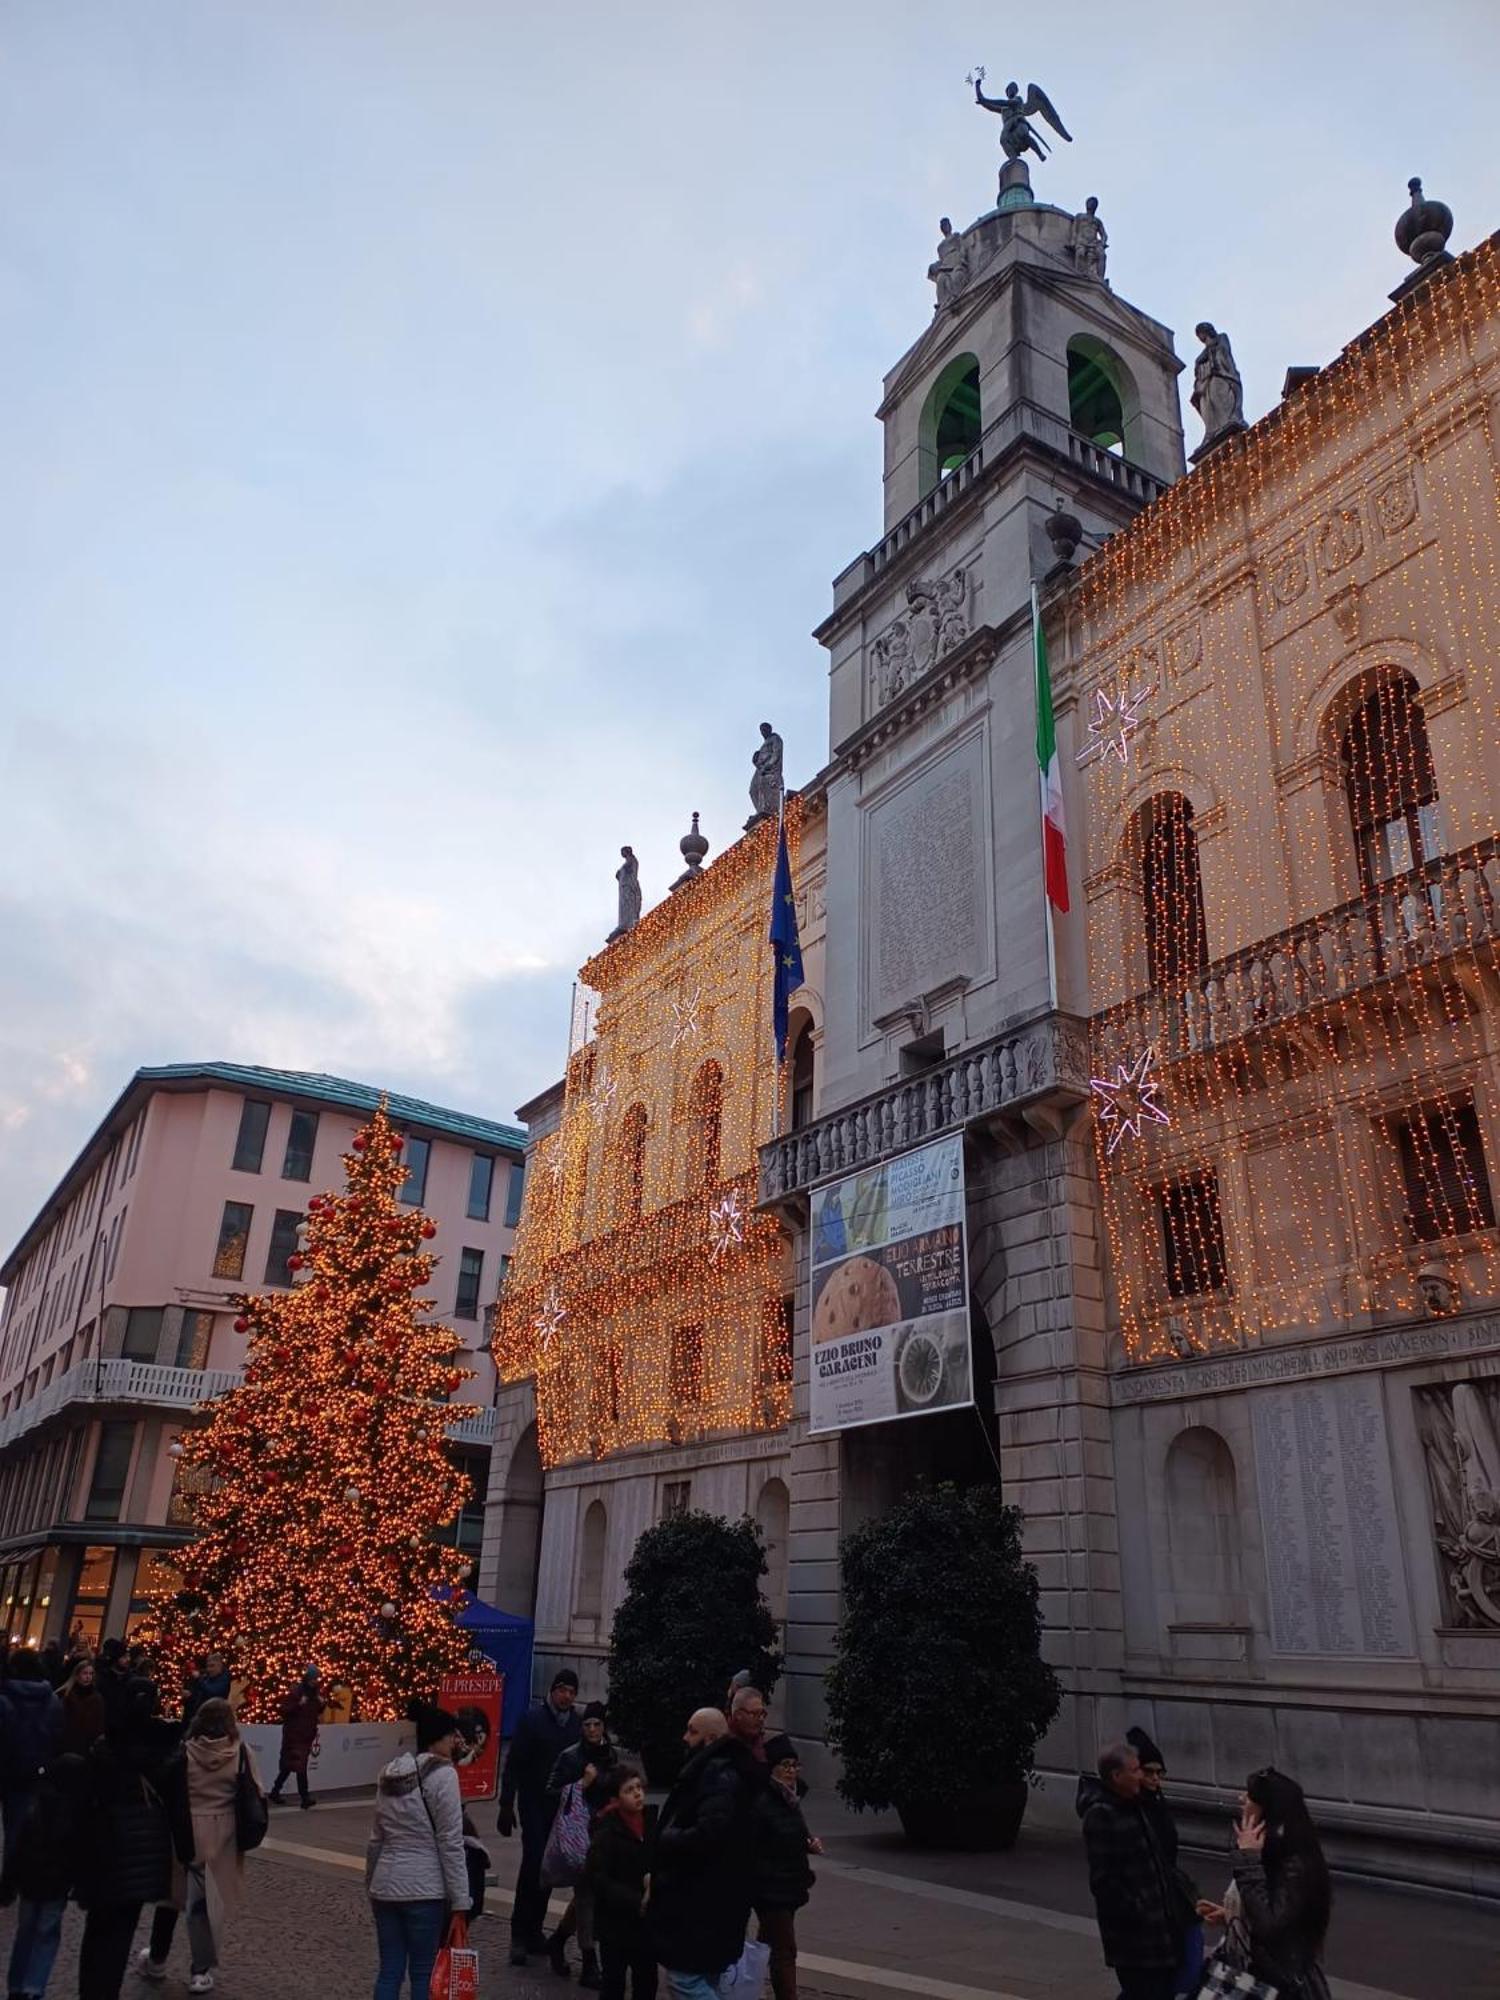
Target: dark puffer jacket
pixel 615 1874
pixel 783 1876
pixel 1142 1913
pixel 125 1847
pixel 1284 1917
pixel 701 1883
pixel 30 1730
pixel 572 1764
pixel 42 1866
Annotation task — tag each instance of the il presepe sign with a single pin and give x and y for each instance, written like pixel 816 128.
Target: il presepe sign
pixel 890 1291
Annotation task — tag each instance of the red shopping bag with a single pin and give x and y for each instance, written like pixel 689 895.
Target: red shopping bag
pixel 455 1974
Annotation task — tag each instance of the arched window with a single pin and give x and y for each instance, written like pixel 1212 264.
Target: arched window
pixel 1202 1523
pixel 951 421
pixel 707 1114
pixel 801 1108
pixel 1171 893
pixel 1101 395
pixel 590 1599
pixel 632 1162
pixel 1389 782
pixel 773 1513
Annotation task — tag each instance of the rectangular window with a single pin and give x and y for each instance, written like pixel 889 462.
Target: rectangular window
pixel 1192 1230
pixel 111 1470
pixel 676 1496
pixel 301 1138
pixel 91 1600
pixel 481 1180
pixel 514 1188
pixel 193 1340
pixel 414 1190
pixel 470 1270
pixel 687 1364
pixel 250 1146
pixel 283 1244
pixel 234 1234
pixel 142 1333
pixel 1443 1170
pixel 116 1238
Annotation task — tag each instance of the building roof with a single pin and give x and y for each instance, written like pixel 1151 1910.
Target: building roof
pixel 334 1091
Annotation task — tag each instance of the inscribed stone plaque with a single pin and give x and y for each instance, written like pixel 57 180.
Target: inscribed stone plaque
pixel 1328 1514
pixel 925 858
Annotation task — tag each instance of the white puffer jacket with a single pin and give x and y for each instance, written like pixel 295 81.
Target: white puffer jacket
pixel 416 1851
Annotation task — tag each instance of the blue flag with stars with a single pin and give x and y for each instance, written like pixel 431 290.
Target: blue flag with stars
pixel 784 942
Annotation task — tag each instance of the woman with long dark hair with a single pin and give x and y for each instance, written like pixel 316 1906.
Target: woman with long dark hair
pixel 1278 1906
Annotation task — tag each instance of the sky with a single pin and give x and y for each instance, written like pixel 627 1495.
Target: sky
pixel 429 434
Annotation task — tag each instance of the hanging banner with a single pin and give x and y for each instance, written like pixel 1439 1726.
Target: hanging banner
pixel 476 1697
pixel 890 1291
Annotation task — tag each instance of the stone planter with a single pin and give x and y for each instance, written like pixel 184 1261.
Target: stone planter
pixel 982 1822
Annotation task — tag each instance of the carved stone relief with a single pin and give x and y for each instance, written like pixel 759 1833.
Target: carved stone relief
pixel 1339 539
pixel 1396 502
pixel 935 622
pixel 1289 575
pixel 1459 1425
pixel 1184 650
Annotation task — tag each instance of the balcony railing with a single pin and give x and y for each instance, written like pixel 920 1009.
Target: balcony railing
pixel 1413 921
pixel 150 1383
pixel 1023 419
pixel 1048 1059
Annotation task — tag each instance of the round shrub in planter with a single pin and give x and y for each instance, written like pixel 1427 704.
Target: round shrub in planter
pixel 939 1694
pixel 692 1616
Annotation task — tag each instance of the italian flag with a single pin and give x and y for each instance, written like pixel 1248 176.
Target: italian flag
pixel 1054 832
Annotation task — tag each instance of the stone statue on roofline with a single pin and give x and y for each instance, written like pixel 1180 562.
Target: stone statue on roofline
pixel 949 270
pixel 628 876
pixel 1017 134
pixel 1088 241
pixel 1218 394
pixel 765 782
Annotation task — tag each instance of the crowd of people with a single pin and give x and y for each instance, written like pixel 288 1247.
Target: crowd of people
pixel 666 1894
pixel 1269 1922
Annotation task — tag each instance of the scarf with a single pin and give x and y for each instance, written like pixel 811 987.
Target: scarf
pixel 633 1822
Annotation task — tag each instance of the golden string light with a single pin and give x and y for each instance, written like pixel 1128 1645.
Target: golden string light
pixel 645 1293
pixel 325 1474
pixel 1293 879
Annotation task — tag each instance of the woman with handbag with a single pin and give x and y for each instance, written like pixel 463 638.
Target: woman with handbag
pixel 206 1779
pixel 415 1870
pixel 581 1773
pixel 1277 1907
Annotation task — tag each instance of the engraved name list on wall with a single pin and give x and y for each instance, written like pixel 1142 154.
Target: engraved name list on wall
pixel 928 864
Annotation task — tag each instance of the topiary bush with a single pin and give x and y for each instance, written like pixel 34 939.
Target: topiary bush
pixel 939 1693
pixel 691 1617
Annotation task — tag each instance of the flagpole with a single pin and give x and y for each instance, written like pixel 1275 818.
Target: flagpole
pixel 775 1060
pixel 1036 624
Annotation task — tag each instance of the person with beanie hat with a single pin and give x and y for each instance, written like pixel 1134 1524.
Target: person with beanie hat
pixel 416 1871
pixel 546 1729
pixel 1153 1804
pixel 589 1765
pixel 781 1876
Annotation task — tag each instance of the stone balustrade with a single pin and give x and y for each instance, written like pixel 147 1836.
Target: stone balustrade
pixel 150 1383
pixel 1413 921
pixel 1047 1059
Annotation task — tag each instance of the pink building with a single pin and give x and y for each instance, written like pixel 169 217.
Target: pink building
pixel 117 1319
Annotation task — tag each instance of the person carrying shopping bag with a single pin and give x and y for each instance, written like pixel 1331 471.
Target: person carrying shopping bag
pixel 415 1867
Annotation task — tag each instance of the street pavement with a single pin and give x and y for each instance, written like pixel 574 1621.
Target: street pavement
pixel 884 1920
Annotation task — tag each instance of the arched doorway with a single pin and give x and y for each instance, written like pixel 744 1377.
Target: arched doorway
pixel 520 1529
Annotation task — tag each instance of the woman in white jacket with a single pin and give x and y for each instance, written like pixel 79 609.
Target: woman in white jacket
pixel 415 1869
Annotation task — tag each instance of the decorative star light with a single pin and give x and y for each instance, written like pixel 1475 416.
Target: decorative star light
pixel 549 1320
pixel 1126 1103
pixel 726 1224
pixel 605 1091
pixel 685 1013
pixel 1115 720
pixel 557 1168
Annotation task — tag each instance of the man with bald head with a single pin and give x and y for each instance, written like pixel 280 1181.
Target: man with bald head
pixel 701 1879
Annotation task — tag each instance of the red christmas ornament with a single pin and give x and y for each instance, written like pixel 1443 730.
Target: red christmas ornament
pixel 359 1142
pixel 429 1230
pixel 397 1142
pixel 295 1261
pixel 242 1325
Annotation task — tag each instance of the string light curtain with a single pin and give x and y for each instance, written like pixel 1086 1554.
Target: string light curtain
pixel 1292 870
pixel 323 1478
pixel 645 1292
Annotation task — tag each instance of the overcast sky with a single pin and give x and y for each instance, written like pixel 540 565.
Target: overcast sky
pixel 429 432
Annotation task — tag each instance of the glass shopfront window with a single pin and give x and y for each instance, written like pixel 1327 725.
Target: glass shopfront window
pixel 156 1575
pixel 41 1603
pixel 20 1611
pixel 91 1599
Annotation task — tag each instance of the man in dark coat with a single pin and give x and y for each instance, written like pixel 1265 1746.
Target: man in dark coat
pixel 1143 1915
pixel 211 1684
pixel 702 1879
pixel 30 1736
pixel 301 1713
pixel 543 1733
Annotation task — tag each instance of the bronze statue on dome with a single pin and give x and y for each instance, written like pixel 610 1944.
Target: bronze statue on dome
pixel 1017 134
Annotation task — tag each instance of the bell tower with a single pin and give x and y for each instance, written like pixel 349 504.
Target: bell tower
pixel 1034 394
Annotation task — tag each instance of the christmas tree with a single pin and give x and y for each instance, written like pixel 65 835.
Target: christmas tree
pixel 325 1470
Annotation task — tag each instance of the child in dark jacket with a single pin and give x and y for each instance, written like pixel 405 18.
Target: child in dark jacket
pixel 783 1877
pixel 615 1872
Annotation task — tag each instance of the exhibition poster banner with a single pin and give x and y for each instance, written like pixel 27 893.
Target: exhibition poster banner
pixel 475 1696
pixel 890 1291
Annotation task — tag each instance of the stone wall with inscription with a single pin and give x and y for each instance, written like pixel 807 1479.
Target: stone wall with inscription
pixel 1335 1576
pixel 926 879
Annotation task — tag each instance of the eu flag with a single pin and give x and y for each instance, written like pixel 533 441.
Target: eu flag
pixel 784 942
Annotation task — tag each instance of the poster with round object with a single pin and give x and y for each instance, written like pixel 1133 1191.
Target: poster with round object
pixel 858 1295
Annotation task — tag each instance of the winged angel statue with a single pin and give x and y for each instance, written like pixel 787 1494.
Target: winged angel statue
pixel 1017 134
